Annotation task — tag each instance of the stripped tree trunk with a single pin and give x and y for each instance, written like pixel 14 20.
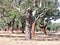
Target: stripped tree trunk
pixel 17 28
pixel 33 29
pixel 10 28
pixel 34 25
pixel 44 30
pixel 23 28
pixel 43 27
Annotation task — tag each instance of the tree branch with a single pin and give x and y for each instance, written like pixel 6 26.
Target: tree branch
pixel 40 16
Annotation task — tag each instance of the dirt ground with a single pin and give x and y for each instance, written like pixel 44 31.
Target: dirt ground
pixel 10 41
pixel 16 39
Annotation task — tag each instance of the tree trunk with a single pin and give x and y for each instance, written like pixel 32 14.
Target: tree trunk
pixel 10 30
pixel 44 30
pixel 17 28
pixel 43 27
pixel 33 29
pixel 22 30
pixel 28 30
pixel 10 27
pixel 28 24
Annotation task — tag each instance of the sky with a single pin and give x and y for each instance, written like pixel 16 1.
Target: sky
pixel 58 20
pixel 59 0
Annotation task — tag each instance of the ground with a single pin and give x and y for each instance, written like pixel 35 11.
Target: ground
pixel 9 41
pixel 19 39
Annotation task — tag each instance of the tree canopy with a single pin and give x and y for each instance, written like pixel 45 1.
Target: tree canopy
pixel 23 12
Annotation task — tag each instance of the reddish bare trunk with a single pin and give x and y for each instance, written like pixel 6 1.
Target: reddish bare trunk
pixel 17 28
pixel 44 30
pixel 33 29
pixel 10 30
pixel 43 27
pixel 22 30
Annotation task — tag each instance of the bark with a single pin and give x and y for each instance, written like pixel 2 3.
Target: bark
pixel 33 29
pixel 10 26
pixel 22 30
pixel 28 30
pixel 10 30
pixel 34 24
pixel 43 27
pixel 5 28
pixel 17 28
pixel 35 3
pixel 28 24
pixel 44 30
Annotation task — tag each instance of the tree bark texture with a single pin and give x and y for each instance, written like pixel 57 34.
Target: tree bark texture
pixel 43 27
pixel 28 24
pixel 33 29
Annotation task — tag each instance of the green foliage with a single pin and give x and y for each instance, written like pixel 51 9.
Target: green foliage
pixel 26 5
pixel 50 8
pixel 38 24
pixel 55 26
pixel 13 13
pixel 23 21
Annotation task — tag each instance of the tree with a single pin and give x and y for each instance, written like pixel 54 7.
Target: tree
pixel 33 10
pixel 50 8
pixel 42 8
pixel 23 22
pixel 28 24
pixel 9 12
